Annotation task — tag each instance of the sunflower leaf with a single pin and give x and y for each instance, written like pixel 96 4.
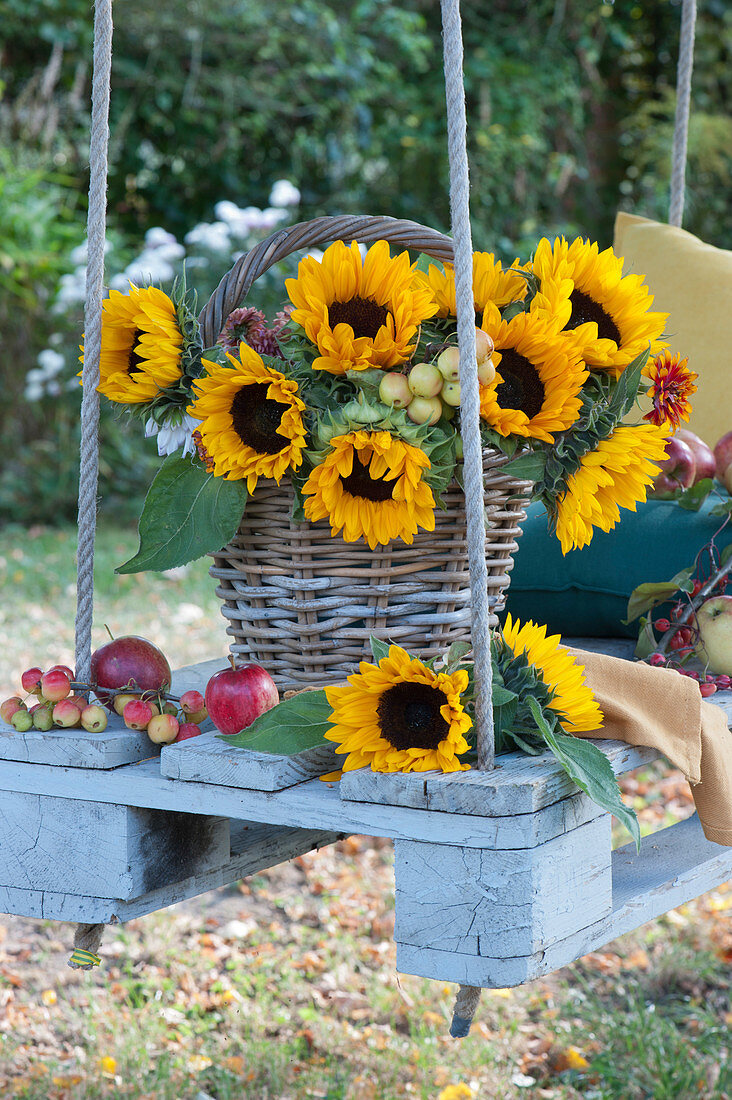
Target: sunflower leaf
pixel 591 770
pixel 527 466
pixel 379 649
pixel 626 389
pixel 187 513
pixel 294 725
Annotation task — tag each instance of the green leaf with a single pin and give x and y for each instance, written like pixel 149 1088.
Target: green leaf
pixel 648 595
pixel 724 508
pixel 529 466
pixel 646 644
pixel 379 649
pixel 455 655
pixel 187 513
pixel 590 769
pixel 725 555
pixel 626 388
pixel 501 696
pixel 292 726
pixel 693 497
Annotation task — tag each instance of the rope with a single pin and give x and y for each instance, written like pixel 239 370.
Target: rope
pixel 466 1004
pixel 470 395
pixel 87 941
pixel 96 227
pixel 683 101
pixel 468 996
pixel 88 937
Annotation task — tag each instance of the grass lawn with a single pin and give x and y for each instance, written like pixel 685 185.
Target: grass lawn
pixel 284 987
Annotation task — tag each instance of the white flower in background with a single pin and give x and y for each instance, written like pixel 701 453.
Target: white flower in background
pixel 50 363
pixel 175 434
pixel 71 290
pixel 156 237
pixel 284 193
pixel 149 267
pixel 314 254
pixel 213 236
pixel 79 254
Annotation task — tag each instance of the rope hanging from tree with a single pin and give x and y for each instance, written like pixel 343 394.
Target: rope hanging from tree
pixel 683 105
pixel 88 937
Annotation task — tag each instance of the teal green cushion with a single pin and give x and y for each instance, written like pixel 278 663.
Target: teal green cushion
pixel 585 594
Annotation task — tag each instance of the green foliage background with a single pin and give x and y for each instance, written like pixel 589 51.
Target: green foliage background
pixel 570 106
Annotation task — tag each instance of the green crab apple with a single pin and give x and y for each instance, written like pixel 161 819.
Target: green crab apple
pixel 714 620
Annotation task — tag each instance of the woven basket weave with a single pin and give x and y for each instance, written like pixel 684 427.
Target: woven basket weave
pixel 303 603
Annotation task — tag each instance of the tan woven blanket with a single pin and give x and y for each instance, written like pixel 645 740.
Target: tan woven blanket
pixel 657 707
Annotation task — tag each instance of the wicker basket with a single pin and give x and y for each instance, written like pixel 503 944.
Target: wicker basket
pixel 303 603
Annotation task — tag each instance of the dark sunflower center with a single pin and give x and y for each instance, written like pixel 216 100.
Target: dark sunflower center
pixel 133 359
pixel 522 387
pixel 409 716
pixel 256 419
pixel 586 309
pixel 359 483
pixel 364 316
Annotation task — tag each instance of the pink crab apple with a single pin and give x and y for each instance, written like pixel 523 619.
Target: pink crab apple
pixel 10 706
pixel 236 696
pixel 65 714
pixel 31 680
pixel 191 701
pixel 137 715
pixel 187 730
pixel 55 685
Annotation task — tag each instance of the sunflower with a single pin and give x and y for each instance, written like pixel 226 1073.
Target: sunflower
pixel 141 345
pixel 490 284
pixel 251 417
pixel 672 384
pixel 359 313
pixel 371 484
pixel 563 677
pixel 617 472
pixel 400 716
pixel 536 390
pixel 608 313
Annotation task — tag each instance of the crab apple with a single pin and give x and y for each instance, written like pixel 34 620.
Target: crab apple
pixel 714 620
pixel 170 708
pixel 121 701
pixel 448 364
pixel 198 716
pixel 55 685
pixel 129 662
pixel 663 625
pixel 187 730
pixel 79 701
pixel 486 372
pixel 483 346
pixel 66 714
pixel 9 707
pixel 425 380
pixel 137 715
pixel 394 390
pixel 94 718
pixel 707 689
pixel 31 680
pixel 21 721
pixel 450 394
pixel 424 410
pixel 657 659
pixel 42 717
pixel 191 701
pixel 163 729
pixel 63 668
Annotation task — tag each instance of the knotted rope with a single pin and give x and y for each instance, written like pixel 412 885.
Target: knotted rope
pixel 89 448
pixel 683 102
pixel 468 996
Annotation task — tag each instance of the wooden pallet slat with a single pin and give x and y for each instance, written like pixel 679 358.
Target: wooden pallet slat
pixel 210 759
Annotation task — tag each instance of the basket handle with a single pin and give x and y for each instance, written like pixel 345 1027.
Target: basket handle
pixel 235 285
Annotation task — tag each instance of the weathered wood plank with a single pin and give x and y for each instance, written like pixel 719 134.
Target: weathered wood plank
pixel 674 866
pixel 519 784
pixel 472 901
pixel 75 747
pixel 254 847
pixel 209 759
pixel 83 847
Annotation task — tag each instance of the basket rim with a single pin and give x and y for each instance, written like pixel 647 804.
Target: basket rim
pixel 367 228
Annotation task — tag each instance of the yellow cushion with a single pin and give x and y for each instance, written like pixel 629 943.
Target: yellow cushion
pixel 691 281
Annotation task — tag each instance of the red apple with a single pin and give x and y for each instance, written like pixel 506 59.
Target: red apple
pixel 703 453
pixel 723 455
pixel 236 696
pixel 678 467
pixel 129 662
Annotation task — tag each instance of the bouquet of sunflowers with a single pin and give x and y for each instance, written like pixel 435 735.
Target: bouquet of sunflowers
pixel 352 392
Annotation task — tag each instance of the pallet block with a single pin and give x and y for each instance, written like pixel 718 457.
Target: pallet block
pixel 114 746
pixel 210 759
